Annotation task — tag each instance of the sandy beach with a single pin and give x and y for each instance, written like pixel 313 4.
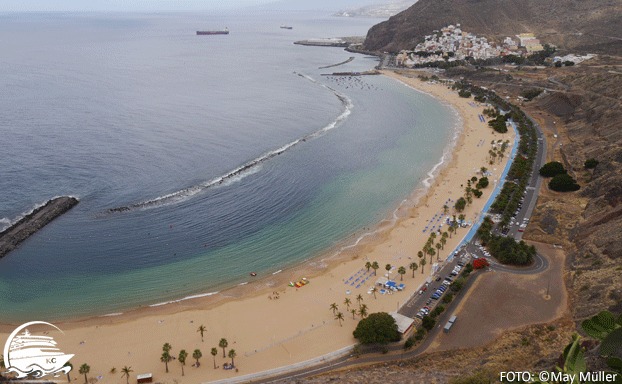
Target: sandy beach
pixel 270 324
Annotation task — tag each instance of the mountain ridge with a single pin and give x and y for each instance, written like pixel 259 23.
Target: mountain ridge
pixel 573 24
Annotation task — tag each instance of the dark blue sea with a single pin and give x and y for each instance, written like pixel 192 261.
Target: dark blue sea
pixel 225 154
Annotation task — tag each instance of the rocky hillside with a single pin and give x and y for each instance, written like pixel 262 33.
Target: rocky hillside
pixel 573 24
pixel 591 114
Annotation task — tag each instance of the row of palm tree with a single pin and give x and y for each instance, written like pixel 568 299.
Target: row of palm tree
pixel 197 354
pixel 223 343
pixel 362 311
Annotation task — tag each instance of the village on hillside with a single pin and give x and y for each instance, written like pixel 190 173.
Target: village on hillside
pixel 453 44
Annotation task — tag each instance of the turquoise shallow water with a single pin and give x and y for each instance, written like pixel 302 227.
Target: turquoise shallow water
pixel 138 110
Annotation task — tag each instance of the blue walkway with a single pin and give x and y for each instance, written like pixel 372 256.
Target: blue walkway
pixel 492 197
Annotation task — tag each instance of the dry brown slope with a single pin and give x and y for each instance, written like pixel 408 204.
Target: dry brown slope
pixel 569 23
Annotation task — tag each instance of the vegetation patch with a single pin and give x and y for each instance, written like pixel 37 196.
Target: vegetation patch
pixel 377 328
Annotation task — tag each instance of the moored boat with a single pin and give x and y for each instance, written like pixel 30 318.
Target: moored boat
pixel 216 32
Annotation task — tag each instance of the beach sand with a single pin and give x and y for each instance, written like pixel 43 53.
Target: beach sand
pixel 268 332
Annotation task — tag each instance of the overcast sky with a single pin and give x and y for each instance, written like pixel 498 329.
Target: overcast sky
pixel 174 5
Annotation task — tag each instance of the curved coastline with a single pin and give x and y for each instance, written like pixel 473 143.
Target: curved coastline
pixel 313 266
pixel 301 317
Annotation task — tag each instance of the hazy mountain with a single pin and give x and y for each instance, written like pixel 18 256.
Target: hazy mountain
pixel 378 10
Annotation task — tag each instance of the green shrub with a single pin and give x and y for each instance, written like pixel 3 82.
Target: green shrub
pixel 428 322
pixel 377 328
pixel 591 163
pixel 482 183
pixel 552 169
pixel 563 183
pixel 409 343
pixel 460 204
pixel 531 94
pixel 448 298
pixel 437 311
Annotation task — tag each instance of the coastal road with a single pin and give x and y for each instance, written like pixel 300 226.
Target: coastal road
pixel 396 351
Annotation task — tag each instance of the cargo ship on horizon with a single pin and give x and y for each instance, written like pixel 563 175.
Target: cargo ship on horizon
pixel 217 32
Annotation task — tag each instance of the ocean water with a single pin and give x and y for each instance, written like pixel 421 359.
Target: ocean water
pixel 225 154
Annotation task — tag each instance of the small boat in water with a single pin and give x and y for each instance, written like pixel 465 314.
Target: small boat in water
pixel 253 274
pixel 283 26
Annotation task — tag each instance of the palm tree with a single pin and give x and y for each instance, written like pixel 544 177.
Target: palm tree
pixel 182 360
pixel 353 311
pixel 113 370
pixel 67 364
pixel 359 298
pixel 84 370
pixel 334 307
pixel 347 302
pixel 388 267
pixel 422 263
pixel 402 272
pixel 368 265
pixel 443 242
pixel 420 254
pixel 445 209
pixel 223 344
pixel 232 355
pixel 126 372
pixel 363 311
pixel 201 329
pixel 431 252
pixel 439 246
pixel 375 266
pixel 2 362
pixel 197 355
pixel 461 217
pixel 483 170
pixel 444 235
pixel 214 352
pixel 165 358
pixel 166 347
pixel 339 317
pixel 413 266
pixel 433 235
pixel 451 229
pixel 374 290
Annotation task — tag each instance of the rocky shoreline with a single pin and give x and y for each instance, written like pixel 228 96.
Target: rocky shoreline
pixel 11 237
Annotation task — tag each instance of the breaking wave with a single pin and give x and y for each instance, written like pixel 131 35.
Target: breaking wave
pixel 247 169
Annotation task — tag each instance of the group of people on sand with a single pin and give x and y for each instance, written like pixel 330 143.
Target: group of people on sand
pixel 229 366
pixel 276 295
